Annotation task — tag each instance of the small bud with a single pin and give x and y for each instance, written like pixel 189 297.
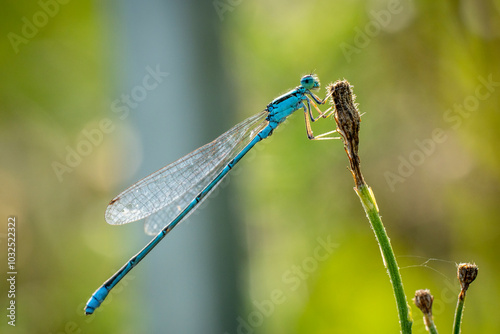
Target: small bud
pixel 467 273
pixel 423 300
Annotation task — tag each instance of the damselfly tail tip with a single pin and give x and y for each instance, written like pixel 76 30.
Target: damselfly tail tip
pixel 96 300
pixel 90 307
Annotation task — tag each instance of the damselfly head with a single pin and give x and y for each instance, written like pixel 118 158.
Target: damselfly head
pixel 310 81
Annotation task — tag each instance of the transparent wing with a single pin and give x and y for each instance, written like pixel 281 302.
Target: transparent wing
pixel 174 186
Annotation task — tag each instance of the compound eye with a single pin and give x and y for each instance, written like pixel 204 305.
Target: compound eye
pixel 307 82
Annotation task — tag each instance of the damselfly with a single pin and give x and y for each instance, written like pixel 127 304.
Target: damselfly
pixel 168 196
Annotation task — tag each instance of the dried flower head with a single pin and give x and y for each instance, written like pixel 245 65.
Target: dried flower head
pixel 467 273
pixel 348 123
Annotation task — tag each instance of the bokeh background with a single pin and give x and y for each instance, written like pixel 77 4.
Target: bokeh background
pixel 283 246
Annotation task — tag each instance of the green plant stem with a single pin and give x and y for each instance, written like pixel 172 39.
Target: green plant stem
pixel 370 205
pixel 430 326
pixel 458 315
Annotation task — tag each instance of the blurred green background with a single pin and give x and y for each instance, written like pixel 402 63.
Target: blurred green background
pixel 284 246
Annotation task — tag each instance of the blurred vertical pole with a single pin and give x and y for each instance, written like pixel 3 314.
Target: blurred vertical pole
pixel 191 277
